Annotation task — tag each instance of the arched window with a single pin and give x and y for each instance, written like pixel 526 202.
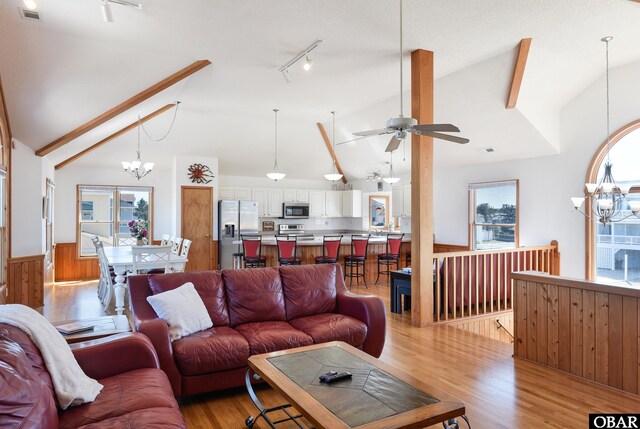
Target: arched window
pixel 613 251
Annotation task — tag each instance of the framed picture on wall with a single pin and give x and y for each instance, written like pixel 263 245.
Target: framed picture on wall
pixel 378 211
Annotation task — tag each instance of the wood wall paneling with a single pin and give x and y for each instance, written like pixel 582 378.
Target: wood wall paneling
pixel 487 326
pixel 70 267
pixel 26 280
pixel 580 328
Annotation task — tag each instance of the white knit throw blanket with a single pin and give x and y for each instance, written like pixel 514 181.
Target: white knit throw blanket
pixel 71 384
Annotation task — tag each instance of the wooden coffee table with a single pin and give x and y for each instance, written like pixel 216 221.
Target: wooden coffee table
pixel 377 396
pixel 102 327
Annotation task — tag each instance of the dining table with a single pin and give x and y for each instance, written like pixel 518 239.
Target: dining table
pixel 121 259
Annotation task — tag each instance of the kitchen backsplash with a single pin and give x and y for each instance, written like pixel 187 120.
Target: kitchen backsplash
pixel 320 223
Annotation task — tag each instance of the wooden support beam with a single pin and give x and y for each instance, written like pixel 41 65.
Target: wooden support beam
pixel 118 133
pixel 331 152
pixel 422 191
pixel 124 106
pixel 518 73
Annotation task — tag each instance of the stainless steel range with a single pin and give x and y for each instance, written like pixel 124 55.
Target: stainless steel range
pixel 294 230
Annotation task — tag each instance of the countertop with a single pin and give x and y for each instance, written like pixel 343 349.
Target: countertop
pixel 317 240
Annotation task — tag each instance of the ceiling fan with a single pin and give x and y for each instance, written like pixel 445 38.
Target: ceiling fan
pixel 401 126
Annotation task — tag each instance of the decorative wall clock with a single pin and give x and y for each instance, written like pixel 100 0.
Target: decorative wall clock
pixel 200 173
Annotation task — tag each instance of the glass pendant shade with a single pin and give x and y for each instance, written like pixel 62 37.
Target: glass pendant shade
pixel 275 176
pixel 333 176
pixel 391 180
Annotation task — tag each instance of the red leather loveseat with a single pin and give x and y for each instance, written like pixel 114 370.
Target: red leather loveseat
pixel 255 311
pixel 135 394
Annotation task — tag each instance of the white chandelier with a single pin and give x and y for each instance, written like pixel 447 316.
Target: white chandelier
pixel 136 168
pixel 608 199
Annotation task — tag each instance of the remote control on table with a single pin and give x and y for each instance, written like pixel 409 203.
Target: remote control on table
pixel 333 376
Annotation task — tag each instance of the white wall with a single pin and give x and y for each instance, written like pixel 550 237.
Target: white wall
pixel 28 177
pixel 68 178
pixel 546 183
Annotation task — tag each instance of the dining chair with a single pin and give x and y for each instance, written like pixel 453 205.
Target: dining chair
pixel 148 257
pixel 357 259
pixel 391 255
pixel 287 250
pixel 252 251
pixel 105 284
pixel 125 239
pixel 330 249
pixel 175 245
pixel 165 240
pixel 184 252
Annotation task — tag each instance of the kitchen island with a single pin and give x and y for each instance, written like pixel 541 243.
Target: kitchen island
pixel 309 248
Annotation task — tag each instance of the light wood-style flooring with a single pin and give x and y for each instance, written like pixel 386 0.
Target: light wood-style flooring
pixel 498 390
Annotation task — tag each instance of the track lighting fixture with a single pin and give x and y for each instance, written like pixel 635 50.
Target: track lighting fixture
pixel 30 4
pixel 300 55
pixel 105 7
pixel 307 64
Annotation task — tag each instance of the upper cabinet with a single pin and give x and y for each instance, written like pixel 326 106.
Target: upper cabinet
pixel 234 193
pixel 316 203
pixel 333 204
pixel 296 196
pixel 269 201
pixel 352 203
pixel 401 201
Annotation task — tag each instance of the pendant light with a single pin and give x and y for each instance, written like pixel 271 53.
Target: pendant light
pixel 391 179
pixel 275 175
pixel 334 175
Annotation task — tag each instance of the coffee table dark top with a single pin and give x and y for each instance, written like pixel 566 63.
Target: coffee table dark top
pixel 374 393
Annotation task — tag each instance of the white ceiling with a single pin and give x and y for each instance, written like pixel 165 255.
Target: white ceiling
pixel 71 66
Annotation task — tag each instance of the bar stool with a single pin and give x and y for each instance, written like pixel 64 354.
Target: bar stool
pixel 288 250
pixel 330 249
pixel 391 256
pixel 252 249
pixel 357 259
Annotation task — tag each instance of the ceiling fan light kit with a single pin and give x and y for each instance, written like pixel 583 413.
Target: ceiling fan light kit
pixel 276 175
pixel 401 125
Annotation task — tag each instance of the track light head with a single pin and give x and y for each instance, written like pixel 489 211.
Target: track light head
pixel 307 64
pixel 30 4
pixel 107 16
pixel 285 75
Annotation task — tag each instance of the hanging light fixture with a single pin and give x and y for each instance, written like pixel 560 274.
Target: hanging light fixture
pixel 284 69
pixel 391 179
pixel 136 168
pixel 307 64
pixel 608 199
pixel 275 175
pixel 334 175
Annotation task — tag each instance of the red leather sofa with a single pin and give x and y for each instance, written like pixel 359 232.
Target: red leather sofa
pixel 255 311
pixel 136 394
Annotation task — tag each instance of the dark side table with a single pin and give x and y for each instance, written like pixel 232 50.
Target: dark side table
pixel 400 285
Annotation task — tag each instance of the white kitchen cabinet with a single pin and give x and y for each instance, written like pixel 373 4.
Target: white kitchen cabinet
pixel 290 195
pixel 316 203
pixel 302 196
pixel 276 198
pixel 352 203
pixel 401 201
pixel 333 204
pixel 226 193
pixel 234 193
pixel 261 195
pixel 406 200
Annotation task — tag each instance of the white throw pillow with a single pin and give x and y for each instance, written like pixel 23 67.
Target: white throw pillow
pixel 182 309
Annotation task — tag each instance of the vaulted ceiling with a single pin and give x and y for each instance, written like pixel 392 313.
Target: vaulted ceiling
pixel 71 66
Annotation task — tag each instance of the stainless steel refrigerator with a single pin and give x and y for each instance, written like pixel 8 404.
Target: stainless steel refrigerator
pixel 235 218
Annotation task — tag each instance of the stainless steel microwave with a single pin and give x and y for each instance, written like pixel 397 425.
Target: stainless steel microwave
pixel 295 210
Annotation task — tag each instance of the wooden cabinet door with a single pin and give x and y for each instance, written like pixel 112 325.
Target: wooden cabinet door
pixel 302 196
pixel 397 201
pixel 316 203
pixel 226 193
pixel 290 195
pixel 197 225
pixel 243 194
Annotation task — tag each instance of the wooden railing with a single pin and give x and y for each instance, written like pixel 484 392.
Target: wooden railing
pixel 473 283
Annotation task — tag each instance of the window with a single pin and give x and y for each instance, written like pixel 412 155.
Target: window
pixel 493 217
pixel 613 251
pixel 105 212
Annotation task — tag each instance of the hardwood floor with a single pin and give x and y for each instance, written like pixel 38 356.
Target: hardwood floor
pixel 498 390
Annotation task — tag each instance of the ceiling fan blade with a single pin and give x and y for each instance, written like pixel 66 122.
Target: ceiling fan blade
pixel 352 140
pixel 449 128
pixel 455 139
pixel 394 143
pixel 374 132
